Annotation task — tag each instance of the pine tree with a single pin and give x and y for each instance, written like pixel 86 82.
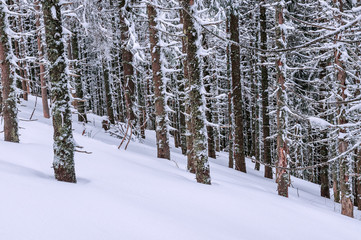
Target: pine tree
pixel 9 108
pixel 159 86
pixel 264 93
pixel 63 137
pixel 239 157
pixel 44 88
pixel 195 91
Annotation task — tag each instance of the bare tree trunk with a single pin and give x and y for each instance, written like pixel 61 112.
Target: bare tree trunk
pixel 78 83
pixel 44 89
pixel 8 89
pixel 239 157
pixel 63 137
pixel 230 106
pixel 159 88
pixel 264 83
pixel 282 151
pixel 358 179
pixel 108 95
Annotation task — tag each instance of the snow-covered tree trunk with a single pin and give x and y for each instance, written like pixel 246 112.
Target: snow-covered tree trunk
pixel 7 78
pixel 345 162
pixel 282 151
pixel 196 93
pixel 127 60
pixel 62 122
pixel 159 86
pixel 189 130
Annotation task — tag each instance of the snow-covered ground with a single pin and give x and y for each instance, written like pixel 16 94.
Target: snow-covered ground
pixel 132 195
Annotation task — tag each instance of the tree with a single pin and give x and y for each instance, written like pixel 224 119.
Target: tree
pixel 44 88
pixel 282 150
pixel 195 92
pixel 159 86
pixel 127 59
pixel 264 93
pixel 9 109
pixel 238 151
pixel 63 163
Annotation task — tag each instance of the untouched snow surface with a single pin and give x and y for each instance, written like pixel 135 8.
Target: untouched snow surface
pixel 132 195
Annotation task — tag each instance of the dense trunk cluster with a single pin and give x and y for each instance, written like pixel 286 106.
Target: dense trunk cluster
pixel 275 81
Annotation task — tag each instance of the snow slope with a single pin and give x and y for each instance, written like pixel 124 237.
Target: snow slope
pixel 133 195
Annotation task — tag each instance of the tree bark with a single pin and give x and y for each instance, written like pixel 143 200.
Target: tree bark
pixel 239 157
pixel 108 94
pixel 345 180
pixel 44 88
pixel 63 163
pixel 358 179
pixel 78 83
pixel 282 151
pixel 127 60
pixel 8 89
pixel 159 88
pixel 189 137
pixel 195 96
pixel 264 94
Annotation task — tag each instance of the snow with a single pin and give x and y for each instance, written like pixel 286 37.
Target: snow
pixel 133 195
pixel 53 13
pixel 319 123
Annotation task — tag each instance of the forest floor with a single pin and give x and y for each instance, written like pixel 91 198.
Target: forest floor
pixel 132 195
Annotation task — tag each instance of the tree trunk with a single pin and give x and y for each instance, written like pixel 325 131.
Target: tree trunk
pixel 63 137
pixel 239 157
pixel 230 106
pixel 44 88
pixel 282 151
pixel 8 89
pixel 264 94
pixel 127 60
pixel 108 94
pixel 195 96
pixel 209 103
pixel 345 180
pixel 189 137
pixel 159 87
pixel 358 179
pixel 78 83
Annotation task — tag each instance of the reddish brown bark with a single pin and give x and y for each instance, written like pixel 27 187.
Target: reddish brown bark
pixel 161 126
pixel 189 137
pixel 44 89
pixel 8 90
pixel 127 60
pixel 240 163
pixel 282 151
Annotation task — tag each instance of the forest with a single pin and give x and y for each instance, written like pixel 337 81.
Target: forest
pixel 274 81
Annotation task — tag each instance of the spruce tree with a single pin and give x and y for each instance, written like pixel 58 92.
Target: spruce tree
pixel 63 163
